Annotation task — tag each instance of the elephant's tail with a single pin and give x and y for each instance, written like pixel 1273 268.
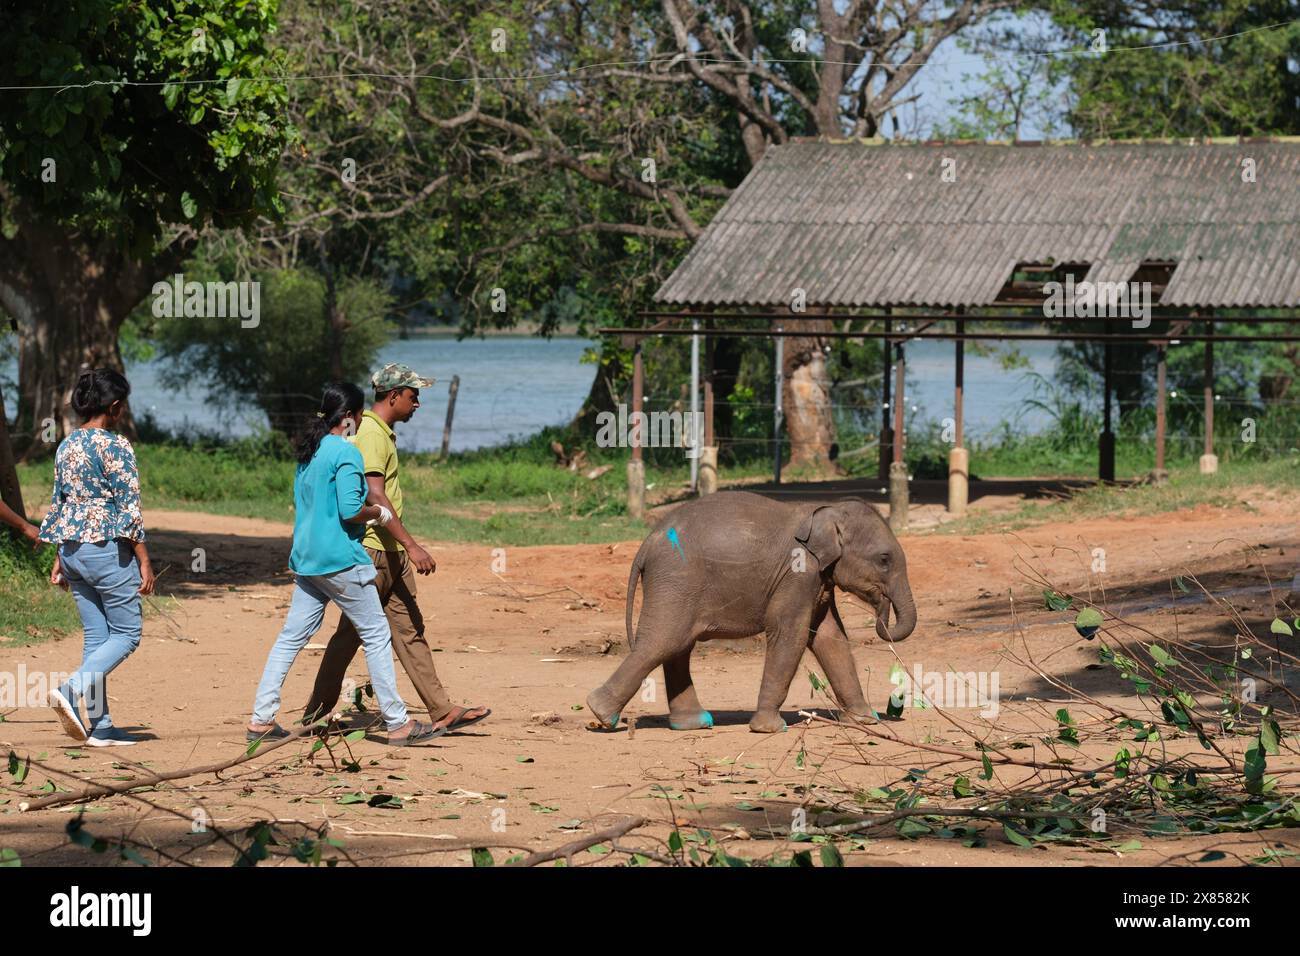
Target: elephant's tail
pixel 638 568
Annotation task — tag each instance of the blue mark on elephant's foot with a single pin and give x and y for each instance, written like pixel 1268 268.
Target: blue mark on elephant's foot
pixel 703 721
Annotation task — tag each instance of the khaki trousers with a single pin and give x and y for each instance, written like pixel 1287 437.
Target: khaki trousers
pixel 395 580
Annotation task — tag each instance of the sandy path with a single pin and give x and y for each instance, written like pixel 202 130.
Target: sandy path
pixel 541 656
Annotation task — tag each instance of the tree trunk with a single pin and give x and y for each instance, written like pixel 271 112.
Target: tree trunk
pixel 605 389
pixel 11 492
pixel 70 295
pixel 806 397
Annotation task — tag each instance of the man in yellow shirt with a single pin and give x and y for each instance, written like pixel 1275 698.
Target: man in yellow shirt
pixel 398 558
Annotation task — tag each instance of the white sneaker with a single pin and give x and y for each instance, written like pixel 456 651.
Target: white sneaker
pixel 68 715
pixel 112 738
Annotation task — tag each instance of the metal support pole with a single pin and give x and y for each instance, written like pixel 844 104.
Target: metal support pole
pixel 693 434
pixel 709 453
pixel 635 465
pixel 778 411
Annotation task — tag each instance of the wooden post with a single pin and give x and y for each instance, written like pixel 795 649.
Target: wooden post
pixel 1106 442
pixel 1209 460
pixel 1160 474
pixel 886 445
pixel 898 490
pixel 635 465
pixel 11 492
pixel 777 410
pixel 451 410
pixel 958 459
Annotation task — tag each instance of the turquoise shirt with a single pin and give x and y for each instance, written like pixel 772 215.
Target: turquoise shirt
pixel 329 488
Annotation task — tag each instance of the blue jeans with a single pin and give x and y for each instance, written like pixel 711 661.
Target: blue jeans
pixel 353 590
pixel 105 582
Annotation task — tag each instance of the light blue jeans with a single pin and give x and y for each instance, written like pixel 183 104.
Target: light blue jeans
pixel 353 590
pixel 105 582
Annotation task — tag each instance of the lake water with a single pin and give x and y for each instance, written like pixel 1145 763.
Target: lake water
pixel 515 385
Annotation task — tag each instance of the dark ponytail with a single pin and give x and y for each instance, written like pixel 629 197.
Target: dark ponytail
pixel 341 400
pixel 96 389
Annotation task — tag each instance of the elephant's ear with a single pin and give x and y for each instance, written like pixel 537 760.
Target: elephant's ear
pixel 820 534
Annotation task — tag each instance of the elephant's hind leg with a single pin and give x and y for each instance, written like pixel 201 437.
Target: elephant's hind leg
pixel 607 701
pixel 684 710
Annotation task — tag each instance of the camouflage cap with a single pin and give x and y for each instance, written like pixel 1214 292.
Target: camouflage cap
pixel 393 376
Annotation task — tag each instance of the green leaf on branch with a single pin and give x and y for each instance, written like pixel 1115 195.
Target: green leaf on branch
pixel 1056 602
pixel 1019 839
pixel 18 768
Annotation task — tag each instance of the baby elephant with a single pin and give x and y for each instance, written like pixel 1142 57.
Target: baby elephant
pixel 736 564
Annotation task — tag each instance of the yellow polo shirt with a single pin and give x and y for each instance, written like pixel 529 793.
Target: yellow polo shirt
pixel 378 446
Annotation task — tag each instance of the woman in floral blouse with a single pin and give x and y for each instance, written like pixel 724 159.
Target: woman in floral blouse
pixel 95 521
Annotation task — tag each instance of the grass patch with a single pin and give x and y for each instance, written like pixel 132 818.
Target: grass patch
pixel 1186 488
pixel 32 610
pixel 516 496
pixel 510 496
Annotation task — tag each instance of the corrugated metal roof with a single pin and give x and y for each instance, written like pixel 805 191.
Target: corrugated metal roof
pixel 858 224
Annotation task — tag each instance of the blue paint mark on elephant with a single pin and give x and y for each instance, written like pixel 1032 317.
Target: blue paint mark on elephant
pixel 675 542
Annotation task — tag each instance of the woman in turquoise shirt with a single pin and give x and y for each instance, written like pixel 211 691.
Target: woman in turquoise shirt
pixel 95 521
pixel 329 564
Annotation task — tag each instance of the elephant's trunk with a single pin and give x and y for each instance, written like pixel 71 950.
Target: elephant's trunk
pixel 904 611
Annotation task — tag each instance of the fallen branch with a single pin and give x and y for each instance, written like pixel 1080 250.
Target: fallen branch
pixel 577 846
pixel 97 790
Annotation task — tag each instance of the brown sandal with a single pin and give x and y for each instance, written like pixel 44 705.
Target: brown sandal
pixel 460 723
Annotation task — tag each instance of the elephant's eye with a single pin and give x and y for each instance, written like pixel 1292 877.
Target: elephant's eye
pixel 884 560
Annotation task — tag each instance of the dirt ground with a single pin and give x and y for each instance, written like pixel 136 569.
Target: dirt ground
pixel 533 641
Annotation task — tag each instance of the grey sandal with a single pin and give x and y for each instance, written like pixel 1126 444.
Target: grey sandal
pixel 418 734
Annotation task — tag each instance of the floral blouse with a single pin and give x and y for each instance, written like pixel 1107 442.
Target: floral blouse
pixel 96 490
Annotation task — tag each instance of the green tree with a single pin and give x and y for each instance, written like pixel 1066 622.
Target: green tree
pixel 138 126
pixel 281 364
pixel 1184 68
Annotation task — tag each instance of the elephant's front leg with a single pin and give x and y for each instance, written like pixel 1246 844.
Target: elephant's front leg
pixel 830 645
pixel 785 646
pixel 684 710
